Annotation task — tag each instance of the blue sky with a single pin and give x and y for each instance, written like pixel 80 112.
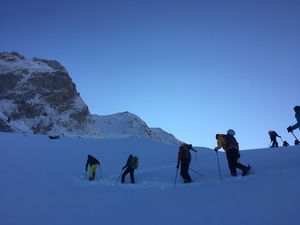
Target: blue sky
pixel 192 68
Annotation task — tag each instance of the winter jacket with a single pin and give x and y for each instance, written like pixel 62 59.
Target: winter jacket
pixel 297 115
pixel 91 160
pixel 222 144
pixel 273 136
pixel 184 155
pixel 128 163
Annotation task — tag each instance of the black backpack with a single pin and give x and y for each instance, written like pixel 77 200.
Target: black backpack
pixel 230 141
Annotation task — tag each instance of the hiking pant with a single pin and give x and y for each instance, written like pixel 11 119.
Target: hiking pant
pixel 128 170
pixel 184 171
pixel 92 171
pixel 275 143
pixel 232 155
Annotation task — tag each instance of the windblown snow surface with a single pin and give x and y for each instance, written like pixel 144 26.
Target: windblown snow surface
pixel 43 183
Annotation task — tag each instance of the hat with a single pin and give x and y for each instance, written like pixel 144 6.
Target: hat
pixel 296 108
pixel 231 132
pixel 270 132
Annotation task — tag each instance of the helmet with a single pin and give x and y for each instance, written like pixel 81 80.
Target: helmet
pixel 231 132
pixel 296 108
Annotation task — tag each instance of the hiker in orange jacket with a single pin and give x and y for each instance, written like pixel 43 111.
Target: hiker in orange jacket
pixel 231 147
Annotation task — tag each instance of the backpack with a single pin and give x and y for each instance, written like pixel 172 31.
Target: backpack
pixel 186 156
pixel 134 162
pixel 230 141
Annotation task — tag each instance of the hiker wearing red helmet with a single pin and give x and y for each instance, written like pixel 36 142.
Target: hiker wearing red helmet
pixel 273 136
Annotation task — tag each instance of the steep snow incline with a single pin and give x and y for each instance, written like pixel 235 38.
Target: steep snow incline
pixel 43 183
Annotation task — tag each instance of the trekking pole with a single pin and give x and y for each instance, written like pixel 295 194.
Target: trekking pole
pixel 119 177
pixel 196 172
pixel 219 165
pixel 176 177
pixel 294 135
pixel 269 144
pixel 100 171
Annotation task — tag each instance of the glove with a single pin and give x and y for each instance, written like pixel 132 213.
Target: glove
pixel 177 166
pixel 85 168
pixel 289 129
pixel 216 149
pixel 279 136
pixel 239 155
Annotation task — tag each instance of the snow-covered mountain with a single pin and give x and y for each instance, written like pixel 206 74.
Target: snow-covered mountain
pixel 38 96
pixel 128 125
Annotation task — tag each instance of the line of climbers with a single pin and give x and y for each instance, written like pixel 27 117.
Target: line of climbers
pixel 273 134
pixel 226 141
pixel 231 147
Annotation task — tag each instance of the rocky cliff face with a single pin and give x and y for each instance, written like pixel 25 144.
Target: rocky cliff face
pixel 38 96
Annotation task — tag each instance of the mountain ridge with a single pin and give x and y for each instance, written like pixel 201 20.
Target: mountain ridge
pixel 38 96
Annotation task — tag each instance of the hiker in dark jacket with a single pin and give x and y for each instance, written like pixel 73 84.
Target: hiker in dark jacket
pixel 297 115
pixel 184 158
pixel 128 169
pixel 285 144
pixel 232 153
pixel 93 162
pixel 273 136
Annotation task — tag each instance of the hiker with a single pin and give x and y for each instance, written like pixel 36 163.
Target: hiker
pixel 131 165
pixel 231 147
pixel 297 115
pixel 273 136
pixel 184 157
pixel 93 162
pixel 285 144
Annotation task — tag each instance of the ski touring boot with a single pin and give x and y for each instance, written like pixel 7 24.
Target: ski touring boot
pixel 246 170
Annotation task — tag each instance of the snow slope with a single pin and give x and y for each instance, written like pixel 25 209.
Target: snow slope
pixel 42 183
